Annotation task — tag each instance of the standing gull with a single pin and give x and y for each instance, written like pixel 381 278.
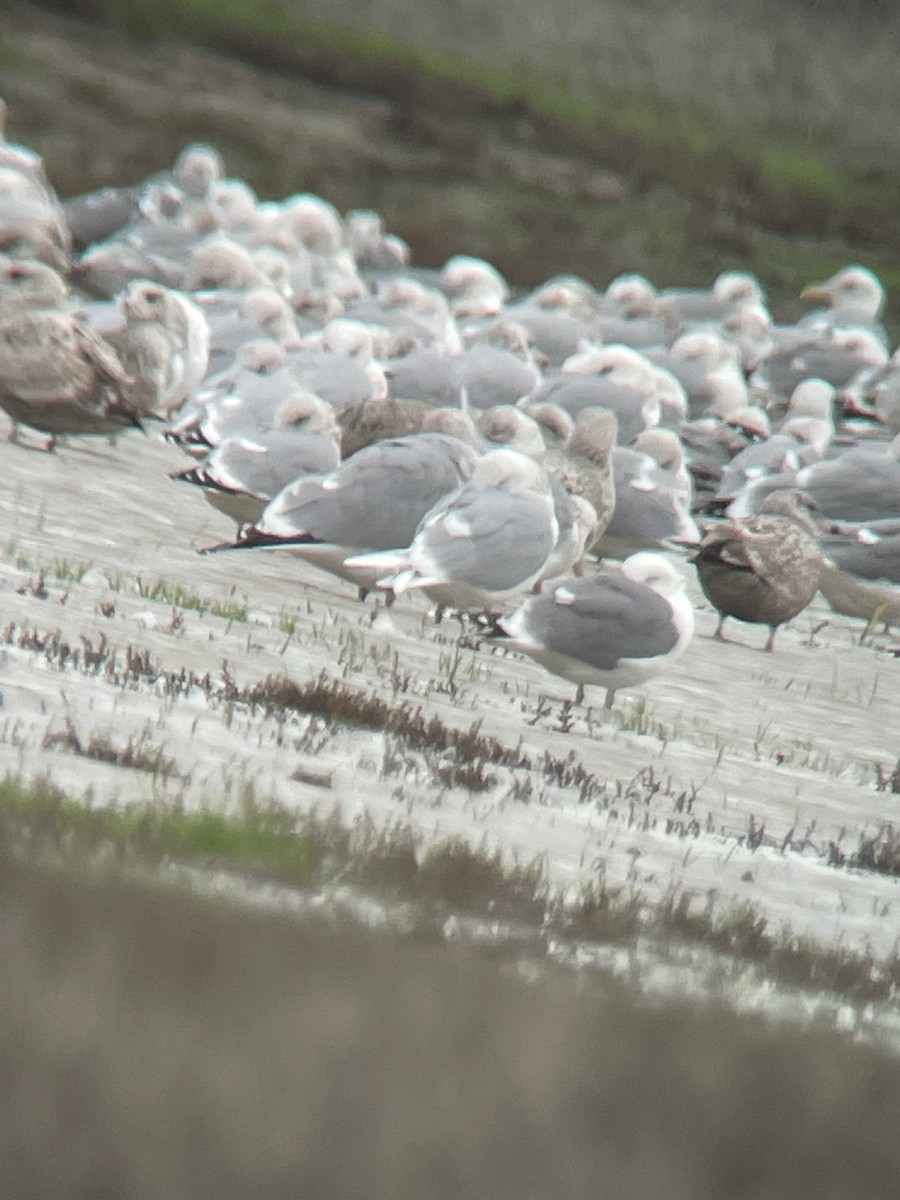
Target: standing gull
pixel 615 630
pixel 56 374
pixel 762 569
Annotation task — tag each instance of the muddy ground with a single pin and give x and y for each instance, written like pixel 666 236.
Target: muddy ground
pixel 726 777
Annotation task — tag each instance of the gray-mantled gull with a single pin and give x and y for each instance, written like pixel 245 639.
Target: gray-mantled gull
pixel 756 468
pixel 696 308
pixel 56 374
pixel 96 216
pixel 877 394
pixel 481 547
pixel 221 262
pixel 863 484
pixel 555 425
pixel 374 249
pixel 652 509
pixel 625 391
pixel 630 295
pixel 489 375
pixel 426 373
pixel 707 366
pixel 763 466
pixel 871 551
pixel 664 445
pixel 835 355
pixel 810 417
pixel 476 288
pixel 236 317
pixel 291 406
pixel 855 298
pixel 506 425
pixel 567 293
pixel 762 569
pixel 373 500
pixel 241 476
pixel 412 311
pixel 615 630
pixel 553 333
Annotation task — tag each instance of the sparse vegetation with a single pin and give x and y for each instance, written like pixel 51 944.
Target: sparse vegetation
pixel 163 592
pixel 879 852
pixel 137 753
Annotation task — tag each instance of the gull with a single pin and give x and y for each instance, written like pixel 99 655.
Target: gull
pixel 482 545
pixel 615 630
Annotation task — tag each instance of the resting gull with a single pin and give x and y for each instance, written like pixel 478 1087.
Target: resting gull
pixel 373 500
pixel 652 506
pixel 615 630
pixel 484 545
pixel 863 484
pixel 164 347
pixel 584 464
pixel 854 296
pixel 242 474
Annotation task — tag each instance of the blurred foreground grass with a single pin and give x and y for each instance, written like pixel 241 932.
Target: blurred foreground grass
pixel 262 841
pixel 153 1044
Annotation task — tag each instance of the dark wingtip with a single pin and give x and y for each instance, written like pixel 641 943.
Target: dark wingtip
pixel 253 539
pixel 187 475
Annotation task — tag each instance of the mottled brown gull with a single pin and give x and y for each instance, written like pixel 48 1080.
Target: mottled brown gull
pixel 56 374
pixel 762 569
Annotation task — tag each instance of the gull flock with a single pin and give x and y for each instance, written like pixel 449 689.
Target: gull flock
pixel 547 464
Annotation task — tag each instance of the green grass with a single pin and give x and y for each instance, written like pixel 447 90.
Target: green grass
pixel 161 591
pixel 254 835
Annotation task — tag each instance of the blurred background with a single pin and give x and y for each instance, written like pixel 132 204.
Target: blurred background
pixel 595 137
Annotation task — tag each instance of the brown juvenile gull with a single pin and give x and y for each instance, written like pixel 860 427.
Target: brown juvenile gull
pixel 614 630
pixel 56 374
pixel 163 345
pixel 375 420
pixel 584 465
pixel 762 569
